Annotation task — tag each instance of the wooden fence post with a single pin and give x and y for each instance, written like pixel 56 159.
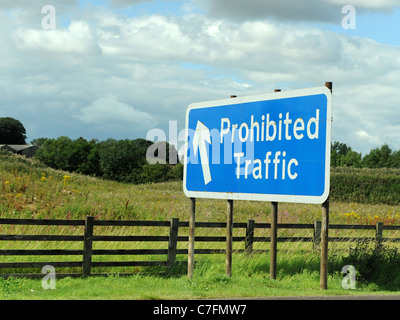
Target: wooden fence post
pixel 87 246
pixel 317 234
pixel 172 243
pixel 379 233
pixel 249 236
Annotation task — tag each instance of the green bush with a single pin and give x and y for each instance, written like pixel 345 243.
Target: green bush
pixel 119 160
pixel 371 186
pixel 374 263
pixel 77 155
pixel 150 173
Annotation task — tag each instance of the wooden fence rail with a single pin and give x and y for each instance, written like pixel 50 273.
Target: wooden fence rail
pixel 171 249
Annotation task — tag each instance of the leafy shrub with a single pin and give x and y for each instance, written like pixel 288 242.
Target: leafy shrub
pixel 375 263
pixel 155 173
pixel 364 185
pixel 119 160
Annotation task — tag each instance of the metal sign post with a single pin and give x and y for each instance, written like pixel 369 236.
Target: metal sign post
pixel 324 245
pixel 229 238
pixel 324 234
pixel 274 235
pixel 229 233
pixel 274 240
pixel 192 221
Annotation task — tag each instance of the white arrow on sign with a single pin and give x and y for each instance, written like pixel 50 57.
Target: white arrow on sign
pixel 201 136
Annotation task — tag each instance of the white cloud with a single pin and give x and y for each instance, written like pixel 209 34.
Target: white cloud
pixel 109 112
pixel 76 39
pixel 107 70
pixel 370 138
pixel 144 38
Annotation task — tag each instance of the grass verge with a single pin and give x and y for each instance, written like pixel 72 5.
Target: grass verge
pixel 297 276
pixel 30 190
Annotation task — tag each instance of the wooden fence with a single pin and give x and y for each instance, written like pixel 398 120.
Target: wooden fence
pixel 169 252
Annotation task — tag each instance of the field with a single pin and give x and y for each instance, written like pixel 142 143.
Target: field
pixel 31 190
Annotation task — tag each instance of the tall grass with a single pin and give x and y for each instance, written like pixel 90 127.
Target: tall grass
pixel 31 190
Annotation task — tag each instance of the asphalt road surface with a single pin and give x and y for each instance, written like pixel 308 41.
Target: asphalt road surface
pixel 339 297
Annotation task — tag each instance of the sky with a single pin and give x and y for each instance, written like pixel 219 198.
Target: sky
pixel 120 68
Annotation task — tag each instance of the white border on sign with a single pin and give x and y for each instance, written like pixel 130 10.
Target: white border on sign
pixel 258 196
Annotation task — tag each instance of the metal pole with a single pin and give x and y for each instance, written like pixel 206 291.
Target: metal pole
pixel 324 234
pixel 324 245
pixel 229 232
pixel 274 235
pixel 191 237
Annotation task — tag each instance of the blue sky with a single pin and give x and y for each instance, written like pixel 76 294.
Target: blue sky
pixel 381 27
pixel 119 68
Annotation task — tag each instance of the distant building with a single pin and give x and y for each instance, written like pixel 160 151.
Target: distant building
pixel 25 150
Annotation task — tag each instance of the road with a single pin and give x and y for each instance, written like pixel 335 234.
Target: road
pixel 338 297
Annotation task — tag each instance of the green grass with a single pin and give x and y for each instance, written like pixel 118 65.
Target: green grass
pixel 31 190
pixel 296 277
pixel 209 281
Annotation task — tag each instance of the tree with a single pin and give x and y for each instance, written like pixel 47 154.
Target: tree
pixel 93 160
pixel 395 159
pixel 55 153
pixel 162 152
pixel 12 131
pixel 378 157
pixel 39 141
pixel 343 155
pixel 77 155
pixel 177 171
pixel 120 160
pixel 125 160
pixel 351 159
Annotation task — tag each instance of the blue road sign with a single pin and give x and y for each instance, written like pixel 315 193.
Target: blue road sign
pixel 273 147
